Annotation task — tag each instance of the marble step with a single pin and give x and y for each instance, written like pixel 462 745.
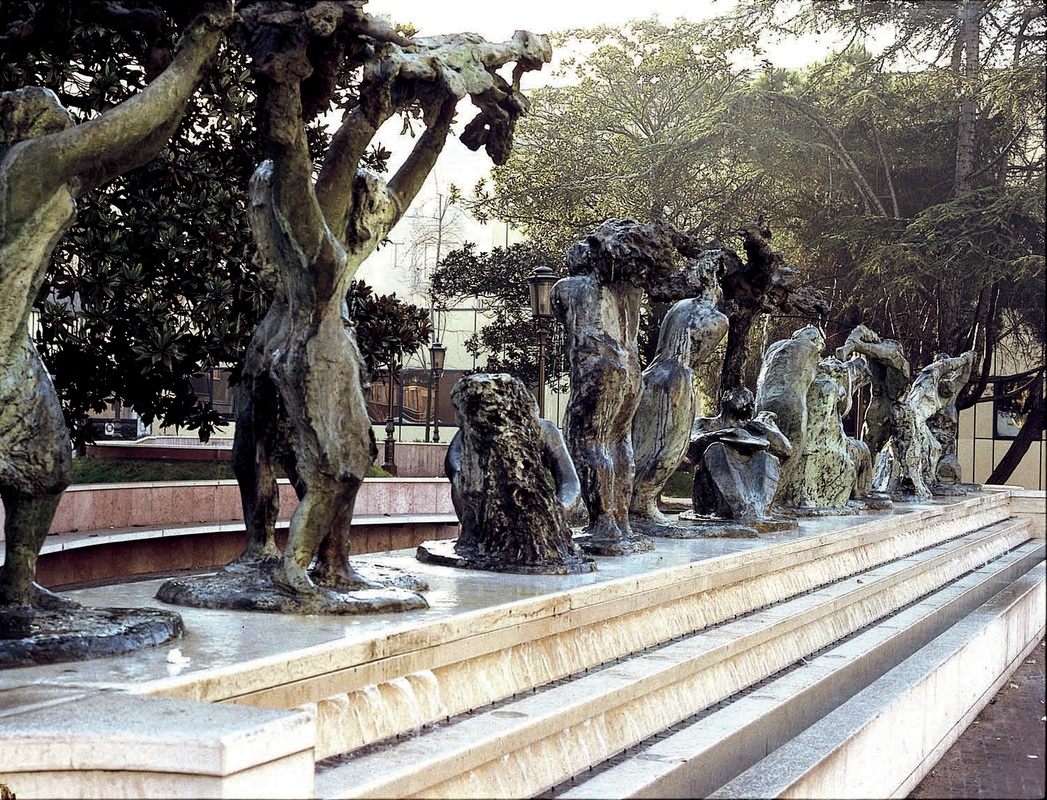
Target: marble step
pixel 447 669
pixel 697 757
pixel 915 712
pixel 535 741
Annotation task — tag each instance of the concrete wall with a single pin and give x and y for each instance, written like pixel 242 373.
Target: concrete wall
pixel 413 459
pixel 1032 505
pixel 105 559
pixel 418 459
pixel 88 507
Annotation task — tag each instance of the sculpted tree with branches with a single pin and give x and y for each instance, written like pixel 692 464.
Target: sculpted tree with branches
pixel 762 284
pixel 46 164
pixel 302 401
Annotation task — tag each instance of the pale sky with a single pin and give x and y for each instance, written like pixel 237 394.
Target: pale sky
pixel 496 21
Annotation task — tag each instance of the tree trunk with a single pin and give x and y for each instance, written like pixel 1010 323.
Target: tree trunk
pixel 970 14
pixel 1030 431
pixel 983 340
pixel 732 376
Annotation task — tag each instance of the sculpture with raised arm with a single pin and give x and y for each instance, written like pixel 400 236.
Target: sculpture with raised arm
pixel 887 422
pixel 46 163
pixel 512 484
pixel 302 401
pixel 912 473
pixel 661 430
pixel 761 284
pixel 944 425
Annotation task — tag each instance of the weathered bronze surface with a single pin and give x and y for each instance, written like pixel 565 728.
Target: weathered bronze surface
pixel 512 484
pixel 737 456
pixel 302 401
pixel 46 163
pixel 689 334
pixel 910 468
pixel 788 370
pixel 599 306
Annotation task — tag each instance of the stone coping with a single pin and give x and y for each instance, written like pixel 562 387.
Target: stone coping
pixel 79 487
pixel 58 543
pixel 212 737
pixel 165 504
pixel 215 442
pixel 418 459
pixel 222 640
pixel 470 609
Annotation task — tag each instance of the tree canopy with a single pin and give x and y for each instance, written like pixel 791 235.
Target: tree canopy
pixel 904 174
pixel 921 204
pixel 918 232
pixel 638 128
pixel 155 282
pixel 646 125
pixel 508 342
pixel 388 330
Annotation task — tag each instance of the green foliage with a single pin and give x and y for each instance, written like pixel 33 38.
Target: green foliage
pixel 864 161
pixel 133 470
pixel 640 125
pixel 636 128
pixel 854 160
pixel 509 340
pixel 89 469
pixel 154 283
pixel 387 329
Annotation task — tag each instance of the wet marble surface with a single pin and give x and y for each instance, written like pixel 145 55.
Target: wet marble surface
pixel 217 638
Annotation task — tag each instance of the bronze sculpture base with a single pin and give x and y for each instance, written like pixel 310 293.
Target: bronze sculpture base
pixel 249 587
pixel 30 636
pixel 442 552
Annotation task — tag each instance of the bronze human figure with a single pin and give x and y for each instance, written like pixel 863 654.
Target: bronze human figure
pixel 689 334
pixel 944 426
pixel 737 456
pixel 836 468
pixel 889 376
pixel 788 370
pixel 512 483
pixel 302 394
pixel 599 306
pixel 913 472
pixel 46 163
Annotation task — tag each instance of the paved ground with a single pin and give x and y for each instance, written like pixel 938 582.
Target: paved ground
pixel 1001 755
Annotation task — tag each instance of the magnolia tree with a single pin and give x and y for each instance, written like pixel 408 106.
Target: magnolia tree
pixel 153 283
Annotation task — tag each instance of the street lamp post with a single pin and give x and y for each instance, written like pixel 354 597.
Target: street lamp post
pixel 540 283
pixel 390 426
pixel 438 353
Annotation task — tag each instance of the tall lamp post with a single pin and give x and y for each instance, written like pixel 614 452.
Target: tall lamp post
pixel 540 283
pixel 390 426
pixel 438 353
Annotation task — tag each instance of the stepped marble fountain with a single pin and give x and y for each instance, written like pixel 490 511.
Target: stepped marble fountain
pixel 733 667
pixel 837 656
